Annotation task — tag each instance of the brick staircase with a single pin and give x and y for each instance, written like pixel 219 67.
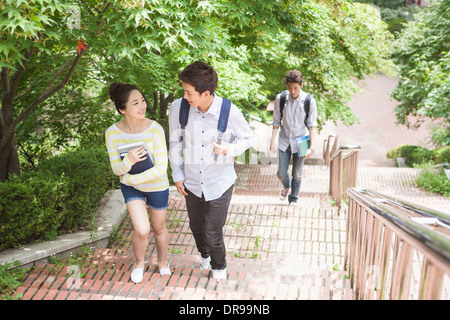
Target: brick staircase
pixel 274 251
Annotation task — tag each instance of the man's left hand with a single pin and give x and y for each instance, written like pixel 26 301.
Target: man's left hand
pixel 309 153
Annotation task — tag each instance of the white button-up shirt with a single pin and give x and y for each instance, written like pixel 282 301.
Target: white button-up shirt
pixel 197 166
pixel 293 120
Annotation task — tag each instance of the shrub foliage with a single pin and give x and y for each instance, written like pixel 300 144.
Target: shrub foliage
pixel 61 195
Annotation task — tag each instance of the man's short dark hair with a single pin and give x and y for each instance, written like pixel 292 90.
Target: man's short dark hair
pixel 201 76
pixel 294 76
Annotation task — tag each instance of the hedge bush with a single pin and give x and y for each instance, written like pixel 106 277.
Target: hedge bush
pixel 61 195
pixel 411 154
pixel 441 155
pixel 415 155
pixel 433 180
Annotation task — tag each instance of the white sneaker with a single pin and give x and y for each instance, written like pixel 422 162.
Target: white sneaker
pixel 283 194
pixel 205 263
pixel 220 274
pixel 165 271
pixel 137 274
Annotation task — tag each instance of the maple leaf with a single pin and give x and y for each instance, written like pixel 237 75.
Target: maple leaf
pixel 80 46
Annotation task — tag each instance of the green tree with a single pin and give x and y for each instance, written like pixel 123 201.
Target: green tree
pixel 394 12
pixel 40 53
pixel 422 53
pixel 26 31
pixel 47 83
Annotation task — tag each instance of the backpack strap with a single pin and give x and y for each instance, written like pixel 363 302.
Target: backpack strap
pixel 283 98
pixel 223 121
pixel 224 115
pixel 306 106
pixel 183 119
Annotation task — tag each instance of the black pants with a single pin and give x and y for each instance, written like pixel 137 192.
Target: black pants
pixel 206 221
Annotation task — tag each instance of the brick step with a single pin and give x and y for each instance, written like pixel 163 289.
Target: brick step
pixel 107 276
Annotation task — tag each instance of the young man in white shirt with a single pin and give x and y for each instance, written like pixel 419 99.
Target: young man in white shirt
pixel 206 183
pixel 292 123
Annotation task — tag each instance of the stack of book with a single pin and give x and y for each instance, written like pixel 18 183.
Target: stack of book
pixel 304 143
pixel 140 166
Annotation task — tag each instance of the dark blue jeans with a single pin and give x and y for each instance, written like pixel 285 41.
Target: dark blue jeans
pixel 206 221
pixel 297 168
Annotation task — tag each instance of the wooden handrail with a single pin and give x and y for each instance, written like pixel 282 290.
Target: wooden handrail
pixel 329 149
pixel 385 238
pixel 343 171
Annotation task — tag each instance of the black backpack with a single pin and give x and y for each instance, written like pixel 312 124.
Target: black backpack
pixel 283 98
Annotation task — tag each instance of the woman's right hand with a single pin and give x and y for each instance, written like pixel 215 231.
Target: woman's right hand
pixel 137 154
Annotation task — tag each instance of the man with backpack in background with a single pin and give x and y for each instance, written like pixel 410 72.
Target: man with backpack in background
pixel 206 133
pixel 295 112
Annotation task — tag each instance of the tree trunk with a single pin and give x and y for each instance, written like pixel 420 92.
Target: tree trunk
pixel 416 2
pixel 9 159
pixel 153 107
pixel 163 104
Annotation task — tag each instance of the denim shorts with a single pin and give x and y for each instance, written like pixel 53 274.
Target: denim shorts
pixel 156 200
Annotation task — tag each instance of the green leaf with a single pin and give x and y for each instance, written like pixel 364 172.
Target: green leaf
pixel 6 47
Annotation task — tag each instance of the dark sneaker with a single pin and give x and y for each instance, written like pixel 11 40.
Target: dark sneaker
pixel 283 194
